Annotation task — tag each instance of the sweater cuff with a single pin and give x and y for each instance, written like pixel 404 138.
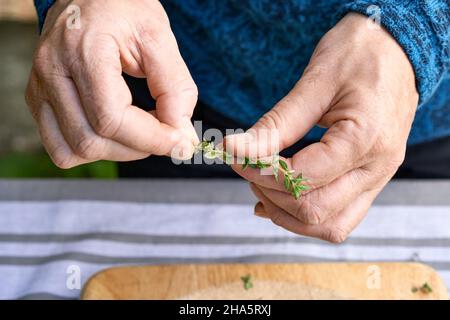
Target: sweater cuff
pixel 42 7
pixel 417 27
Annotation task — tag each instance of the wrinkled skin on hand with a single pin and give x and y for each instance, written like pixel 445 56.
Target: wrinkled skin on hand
pixel 79 98
pixel 361 86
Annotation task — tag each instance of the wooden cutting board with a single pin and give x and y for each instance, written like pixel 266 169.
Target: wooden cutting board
pixel 270 281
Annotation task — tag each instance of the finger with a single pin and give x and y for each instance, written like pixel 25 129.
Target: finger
pixel 106 101
pixel 53 140
pixel 321 204
pixel 334 230
pixel 77 131
pixel 290 119
pixel 342 148
pixel 33 95
pixel 168 78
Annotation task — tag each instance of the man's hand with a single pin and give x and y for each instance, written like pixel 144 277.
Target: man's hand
pixel 79 98
pixel 360 85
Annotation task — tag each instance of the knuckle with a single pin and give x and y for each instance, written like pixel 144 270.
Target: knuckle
pixel 184 87
pixel 87 148
pixel 69 38
pixel 47 65
pixel 385 144
pixel 187 87
pixel 272 120
pixel 389 150
pixel 276 218
pixel 158 147
pixel 154 37
pixel 314 72
pixel 389 146
pixel 107 124
pixel 29 96
pixel 42 55
pixel 309 212
pixel 61 158
pixel 335 235
pixel 43 50
pixel 398 158
pixel 33 97
pixel 394 162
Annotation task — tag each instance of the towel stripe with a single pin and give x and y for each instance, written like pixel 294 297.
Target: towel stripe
pixel 100 259
pixel 212 240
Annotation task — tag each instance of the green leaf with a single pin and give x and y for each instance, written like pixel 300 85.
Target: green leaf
pixel 247 281
pixel 293 184
pixel 296 193
pixel 262 165
pixel 299 180
pixel 206 145
pixel 227 158
pixel 426 288
pixel 287 183
pixel 246 163
pixel 212 154
pixel 283 164
pixel 275 172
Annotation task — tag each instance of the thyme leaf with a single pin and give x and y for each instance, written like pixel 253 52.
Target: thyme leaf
pixel 295 185
pixel 425 288
pixel 247 281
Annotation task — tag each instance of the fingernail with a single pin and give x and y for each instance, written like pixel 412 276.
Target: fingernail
pixel 183 149
pixel 189 131
pixel 260 211
pixel 187 149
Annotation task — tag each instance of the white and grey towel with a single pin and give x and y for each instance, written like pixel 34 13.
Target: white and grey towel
pixel 41 242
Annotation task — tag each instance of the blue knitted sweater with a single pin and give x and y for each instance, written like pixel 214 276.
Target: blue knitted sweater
pixel 245 55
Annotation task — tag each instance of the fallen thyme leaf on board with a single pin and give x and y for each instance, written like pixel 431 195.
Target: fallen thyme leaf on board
pixel 425 288
pixel 247 281
pixel 295 185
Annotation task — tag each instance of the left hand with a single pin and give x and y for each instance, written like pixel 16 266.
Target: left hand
pixel 361 86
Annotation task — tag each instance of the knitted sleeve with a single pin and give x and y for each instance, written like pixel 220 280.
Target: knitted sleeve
pixel 42 7
pixel 421 27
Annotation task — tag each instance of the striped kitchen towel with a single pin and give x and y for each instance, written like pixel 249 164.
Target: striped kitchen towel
pixel 44 243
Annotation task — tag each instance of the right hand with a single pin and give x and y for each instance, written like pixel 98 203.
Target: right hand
pixel 78 96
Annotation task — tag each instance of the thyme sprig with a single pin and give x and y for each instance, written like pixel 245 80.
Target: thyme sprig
pixel 247 281
pixel 295 185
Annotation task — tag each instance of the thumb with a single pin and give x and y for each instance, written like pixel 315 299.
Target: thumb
pixel 289 120
pixel 169 81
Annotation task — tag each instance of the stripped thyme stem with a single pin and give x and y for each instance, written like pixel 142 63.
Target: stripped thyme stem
pixel 293 184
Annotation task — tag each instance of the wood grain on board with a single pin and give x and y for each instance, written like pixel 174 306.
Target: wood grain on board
pixel 270 281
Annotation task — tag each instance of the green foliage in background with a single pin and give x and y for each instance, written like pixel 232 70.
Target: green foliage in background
pixel 39 165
